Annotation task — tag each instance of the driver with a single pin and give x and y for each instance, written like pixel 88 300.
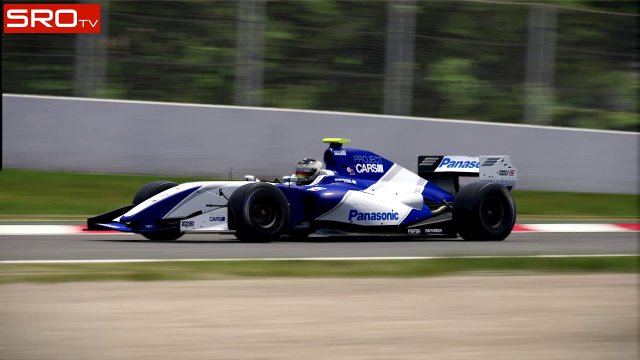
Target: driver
pixel 307 171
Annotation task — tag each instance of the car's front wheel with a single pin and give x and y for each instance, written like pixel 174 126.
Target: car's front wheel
pixel 147 191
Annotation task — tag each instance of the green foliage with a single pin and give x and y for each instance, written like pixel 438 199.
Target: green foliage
pixel 330 55
pixel 595 119
pixel 460 90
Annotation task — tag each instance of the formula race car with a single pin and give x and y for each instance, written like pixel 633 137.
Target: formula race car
pixel 358 192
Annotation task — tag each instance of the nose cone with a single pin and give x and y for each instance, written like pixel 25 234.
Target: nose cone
pixel 158 206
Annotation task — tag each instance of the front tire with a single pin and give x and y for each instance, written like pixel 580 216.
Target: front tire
pixel 258 212
pixel 151 189
pixel 147 191
pixel 484 211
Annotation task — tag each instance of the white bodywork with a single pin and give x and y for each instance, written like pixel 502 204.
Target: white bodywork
pixel 498 169
pixel 210 198
pixel 490 168
pixel 387 202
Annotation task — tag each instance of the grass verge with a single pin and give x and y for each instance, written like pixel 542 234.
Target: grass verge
pixel 26 192
pixel 66 196
pixel 202 270
pixel 563 204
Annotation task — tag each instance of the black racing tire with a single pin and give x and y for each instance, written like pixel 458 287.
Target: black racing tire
pixel 484 212
pixel 258 212
pixel 151 189
pixel 147 191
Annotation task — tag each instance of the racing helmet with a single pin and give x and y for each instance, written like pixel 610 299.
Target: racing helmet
pixel 307 170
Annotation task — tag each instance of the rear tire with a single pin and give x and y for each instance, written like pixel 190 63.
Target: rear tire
pixel 484 211
pixel 147 191
pixel 258 212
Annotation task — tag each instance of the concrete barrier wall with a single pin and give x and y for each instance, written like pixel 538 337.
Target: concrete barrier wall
pixel 164 138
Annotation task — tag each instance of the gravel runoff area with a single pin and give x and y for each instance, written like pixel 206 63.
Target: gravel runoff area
pixel 592 316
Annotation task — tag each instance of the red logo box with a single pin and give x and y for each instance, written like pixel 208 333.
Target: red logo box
pixel 52 18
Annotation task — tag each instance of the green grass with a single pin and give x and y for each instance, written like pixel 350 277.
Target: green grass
pixel 202 270
pixel 42 194
pixel 25 192
pixel 564 204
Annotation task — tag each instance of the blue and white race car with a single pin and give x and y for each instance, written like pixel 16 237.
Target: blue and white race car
pixel 358 192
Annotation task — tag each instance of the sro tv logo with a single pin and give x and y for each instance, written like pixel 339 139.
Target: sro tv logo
pixel 51 18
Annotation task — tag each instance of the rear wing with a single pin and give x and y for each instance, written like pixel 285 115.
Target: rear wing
pixel 445 170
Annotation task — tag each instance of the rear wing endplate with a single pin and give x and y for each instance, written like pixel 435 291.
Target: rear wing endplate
pixel 445 170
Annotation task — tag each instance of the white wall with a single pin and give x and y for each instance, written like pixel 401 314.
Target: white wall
pixel 93 135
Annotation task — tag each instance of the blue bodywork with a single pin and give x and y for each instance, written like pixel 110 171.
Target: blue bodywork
pixel 356 170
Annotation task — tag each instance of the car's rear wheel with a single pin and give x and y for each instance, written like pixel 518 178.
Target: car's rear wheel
pixel 258 212
pixel 147 191
pixel 484 211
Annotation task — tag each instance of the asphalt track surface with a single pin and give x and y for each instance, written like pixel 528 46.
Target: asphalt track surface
pixel 115 247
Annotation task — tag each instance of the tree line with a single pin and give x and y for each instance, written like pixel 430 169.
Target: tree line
pixel 469 61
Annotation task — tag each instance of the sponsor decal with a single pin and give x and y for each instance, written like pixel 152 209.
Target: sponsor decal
pixel 367 159
pixel 51 18
pixel 462 164
pixel 340 153
pixel 369 168
pixel 350 171
pixel 506 173
pixel 428 160
pixel 348 181
pixel 373 216
pixel 433 231
pixel 187 224
pixel 491 161
pixel 414 231
pixel 316 188
pixel 217 218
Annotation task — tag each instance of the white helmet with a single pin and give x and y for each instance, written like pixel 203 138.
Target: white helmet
pixel 307 170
